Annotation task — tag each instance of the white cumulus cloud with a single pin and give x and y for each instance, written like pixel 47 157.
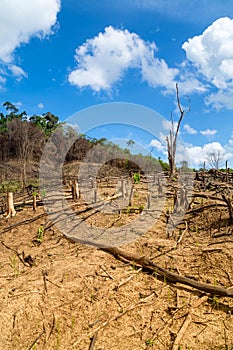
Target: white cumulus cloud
pixel 103 60
pixel 208 132
pixel 220 99
pixel 158 145
pixel 169 125
pixel 200 154
pixel 189 129
pixel 212 52
pixel 20 20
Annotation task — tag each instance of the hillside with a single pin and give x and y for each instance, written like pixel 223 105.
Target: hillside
pixel 58 294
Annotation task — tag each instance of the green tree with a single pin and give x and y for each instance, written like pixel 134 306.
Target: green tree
pixel 12 113
pixel 164 165
pixel 47 122
pixel 10 107
pixel 130 143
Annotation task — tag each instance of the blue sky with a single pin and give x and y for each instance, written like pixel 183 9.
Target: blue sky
pixel 64 56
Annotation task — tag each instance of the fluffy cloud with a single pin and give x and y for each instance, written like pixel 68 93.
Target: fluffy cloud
pixel 159 146
pixel 209 132
pixel 220 99
pixel 168 125
pixel 103 61
pixel 189 85
pixel 189 130
pixel 212 54
pixel 20 20
pixel 200 154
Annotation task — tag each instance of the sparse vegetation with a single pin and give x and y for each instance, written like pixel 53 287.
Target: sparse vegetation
pixel 40 235
pixel 58 294
pixel 14 263
pixel 136 178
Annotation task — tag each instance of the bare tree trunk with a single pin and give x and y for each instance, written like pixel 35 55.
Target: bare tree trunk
pixel 171 154
pixel 227 200
pixel 160 188
pixel 24 174
pixel 131 196
pixel 11 210
pixel 172 138
pixel 34 202
pixel 75 190
pixel 227 172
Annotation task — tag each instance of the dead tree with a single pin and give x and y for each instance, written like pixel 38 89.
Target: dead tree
pixel 34 202
pixel 26 139
pixel 75 190
pixel 215 159
pixel 227 171
pixel 172 138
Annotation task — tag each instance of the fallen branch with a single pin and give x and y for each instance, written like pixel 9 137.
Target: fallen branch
pixel 92 344
pixel 127 280
pixel 35 218
pixel 24 222
pixel 17 253
pixel 115 318
pixel 180 334
pixel 182 235
pixel 168 275
pixel 37 338
pixel 227 200
pixel 204 207
pixel 186 323
pixel 207 196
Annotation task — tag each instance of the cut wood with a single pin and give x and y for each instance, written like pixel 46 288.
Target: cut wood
pixel 11 210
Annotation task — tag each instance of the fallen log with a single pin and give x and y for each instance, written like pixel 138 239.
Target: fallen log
pixel 166 274
pixel 204 207
pixel 207 196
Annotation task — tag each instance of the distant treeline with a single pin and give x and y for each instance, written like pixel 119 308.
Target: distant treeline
pixel 23 138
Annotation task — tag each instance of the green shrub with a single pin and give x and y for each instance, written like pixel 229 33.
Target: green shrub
pixel 136 178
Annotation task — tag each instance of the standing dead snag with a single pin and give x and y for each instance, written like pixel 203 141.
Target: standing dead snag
pixel 215 159
pixel 75 190
pixel 34 202
pixel 172 138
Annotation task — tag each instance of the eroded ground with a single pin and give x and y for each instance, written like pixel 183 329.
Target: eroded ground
pixel 57 294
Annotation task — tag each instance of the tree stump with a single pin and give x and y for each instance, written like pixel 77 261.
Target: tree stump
pixel 10 202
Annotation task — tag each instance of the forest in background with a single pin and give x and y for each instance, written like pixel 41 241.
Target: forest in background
pixel 23 138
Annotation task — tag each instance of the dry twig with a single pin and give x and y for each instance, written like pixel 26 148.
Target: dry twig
pixel 186 323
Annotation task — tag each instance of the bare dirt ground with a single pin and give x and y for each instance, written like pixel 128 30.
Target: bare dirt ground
pixel 57 294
